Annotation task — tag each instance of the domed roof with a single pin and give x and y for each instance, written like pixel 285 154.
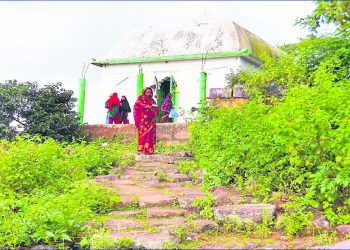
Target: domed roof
pixel 207 35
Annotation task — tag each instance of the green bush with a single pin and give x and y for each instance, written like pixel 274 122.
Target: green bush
pixel 46 197
pixel 299 144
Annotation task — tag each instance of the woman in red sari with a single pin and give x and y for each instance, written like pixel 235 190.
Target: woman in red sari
pixel 145 113
pixel 113 105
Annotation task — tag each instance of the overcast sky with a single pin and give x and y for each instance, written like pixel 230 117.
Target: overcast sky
pixel 49 42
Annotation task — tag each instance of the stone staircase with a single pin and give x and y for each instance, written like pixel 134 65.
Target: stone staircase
pixel 156 203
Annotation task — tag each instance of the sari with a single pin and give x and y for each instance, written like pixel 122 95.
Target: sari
pixel 166 106
pixel 145 121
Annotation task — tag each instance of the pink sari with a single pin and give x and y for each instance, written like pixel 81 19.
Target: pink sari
pixel 145 121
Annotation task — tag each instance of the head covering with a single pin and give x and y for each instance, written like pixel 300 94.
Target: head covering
pixel 167 104
pixel 125 104
pixel 144 90
pixel 113 100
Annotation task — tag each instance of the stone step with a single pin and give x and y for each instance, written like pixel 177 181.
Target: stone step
pixel 187 200
pixel 172 224
pixel 253 212
pixel 118 183
pixel 156 200
pixel 161 158
pixel 103 178
pixel 130 213
pixel 146 239
pixel 181 221
pixel 122 224
pixel 157 212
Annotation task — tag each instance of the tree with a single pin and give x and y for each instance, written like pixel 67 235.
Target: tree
pixel 26 108
pixel 328 12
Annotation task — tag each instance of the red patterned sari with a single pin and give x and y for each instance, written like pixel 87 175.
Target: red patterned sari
pixel 145 114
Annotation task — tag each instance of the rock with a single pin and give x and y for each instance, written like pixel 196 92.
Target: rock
pixel 193 236
pixel 164 212
pixel 204 225
pixel 146 239
pixel 126 213
pixel 343 229
pixel 319 220
pixel 122 224
pixel 187 200
pixel 152 183
pixel 156 200
pixel 110 177
pixel 252 212
pixel 179 177
pixel 46 247
pixel 168 222
pixel 118 183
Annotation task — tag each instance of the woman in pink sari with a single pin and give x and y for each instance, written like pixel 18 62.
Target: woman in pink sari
pixel 145 113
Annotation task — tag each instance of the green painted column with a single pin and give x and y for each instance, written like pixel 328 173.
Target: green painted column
pixel 139 84
pixel 176 100
pixel 81 104
pixel 202 89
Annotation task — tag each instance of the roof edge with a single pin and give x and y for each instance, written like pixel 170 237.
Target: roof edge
pixel 243 52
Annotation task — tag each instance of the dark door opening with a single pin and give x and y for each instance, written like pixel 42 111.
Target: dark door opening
pixel 162 91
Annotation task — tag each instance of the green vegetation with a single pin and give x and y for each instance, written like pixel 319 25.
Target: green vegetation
pixel 293 136
pixel 46 195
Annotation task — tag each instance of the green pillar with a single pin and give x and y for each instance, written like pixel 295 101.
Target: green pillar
pixel 139 84
pixel 176 100
pixel 202 89
pixel 82 83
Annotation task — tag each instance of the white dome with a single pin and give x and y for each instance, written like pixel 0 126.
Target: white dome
pixel 208 35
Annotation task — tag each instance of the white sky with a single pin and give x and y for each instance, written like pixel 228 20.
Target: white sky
pixel 49 42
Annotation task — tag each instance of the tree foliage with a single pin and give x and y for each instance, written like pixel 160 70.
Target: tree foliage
pixel 25 108
pixel 328 12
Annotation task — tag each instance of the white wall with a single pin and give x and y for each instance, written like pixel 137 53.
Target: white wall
pixel 186 74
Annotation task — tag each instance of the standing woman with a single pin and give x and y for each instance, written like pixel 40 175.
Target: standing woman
pixel 113 105
pixel 166 106
pixel 124 110
pixel 145 113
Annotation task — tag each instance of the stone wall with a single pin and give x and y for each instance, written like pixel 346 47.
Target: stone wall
pixel 167 132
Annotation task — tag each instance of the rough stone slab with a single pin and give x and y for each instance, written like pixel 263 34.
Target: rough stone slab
pixel 146 239
pixel 340 245
pixel 161 158
pixel 204 225
pixel 118 183
pixel 122 224
pixel 125 201
pixel 146 165
pixel 130 213
pixel 186 201
pixel 343 229
pixel 134 190
pixel 319 220
pixel 168 222
pixel 252 212
pixel 151 183
pixel 110 177
pixel 157 212
pixel 179 177
pixel 156 200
